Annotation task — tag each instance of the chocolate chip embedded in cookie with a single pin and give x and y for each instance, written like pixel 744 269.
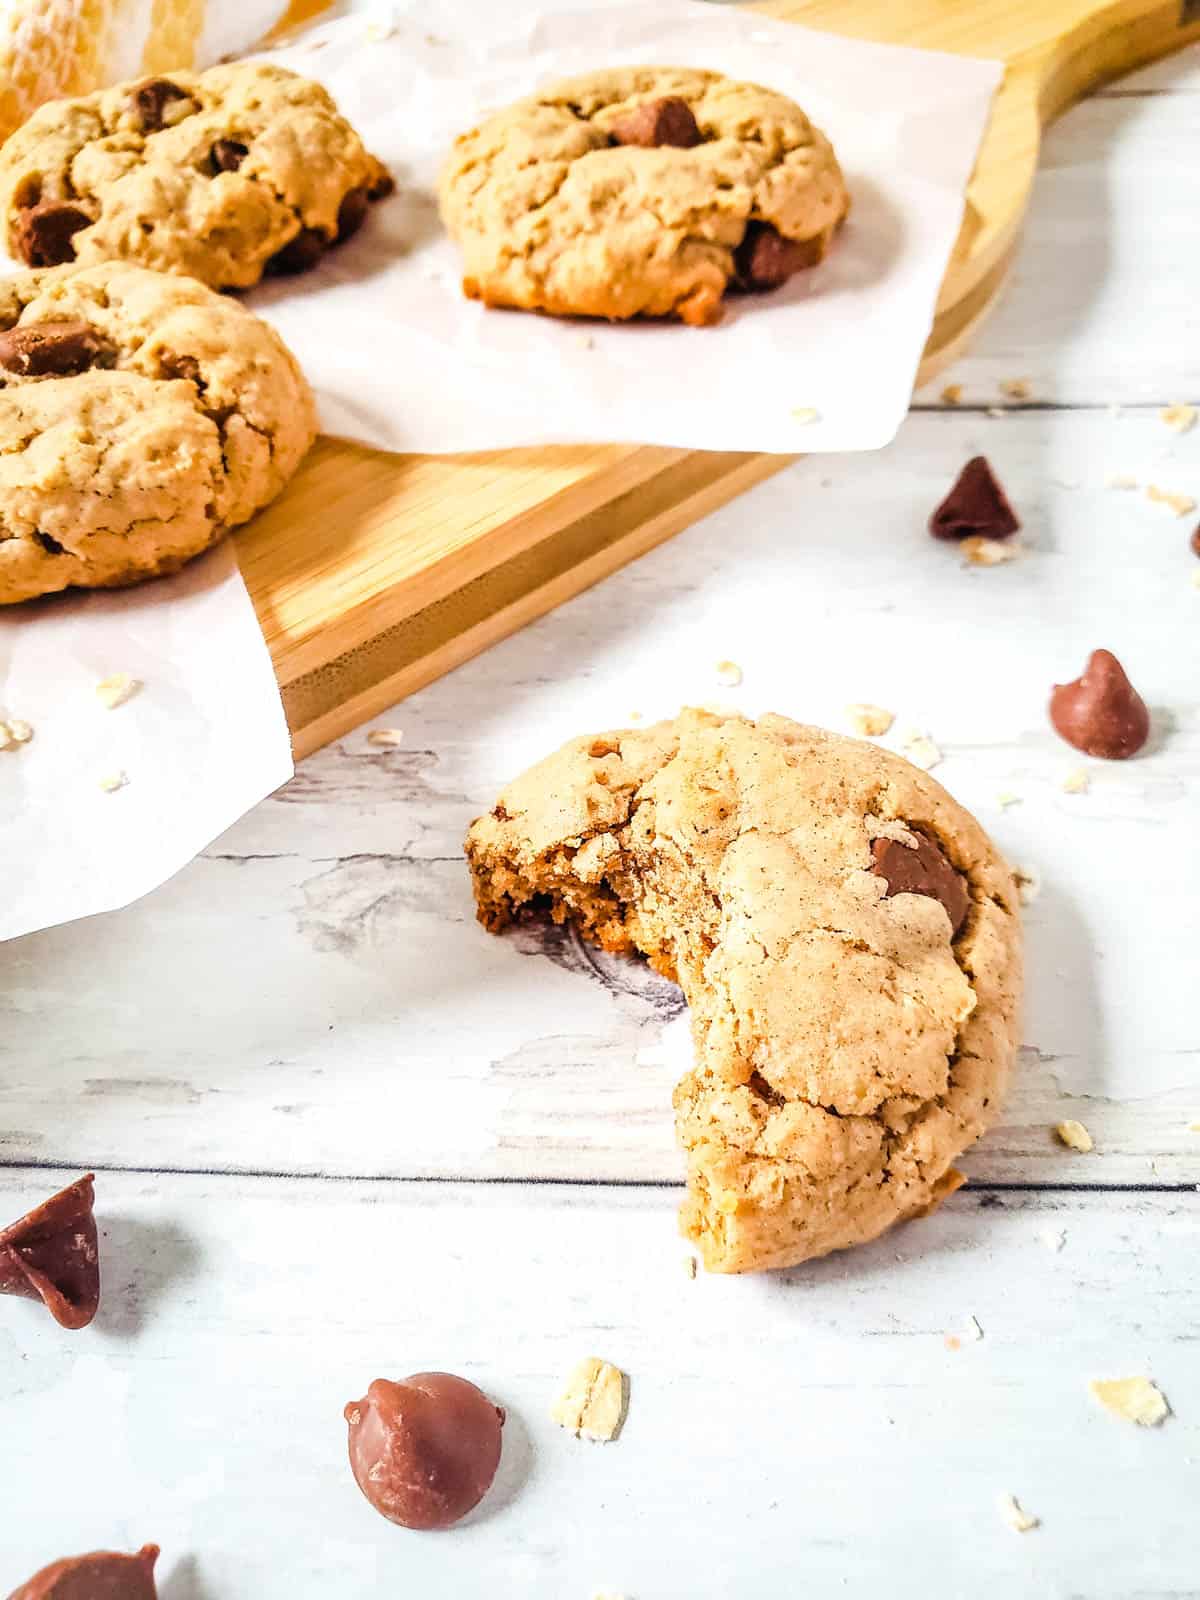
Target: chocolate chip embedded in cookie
pixel 644 191
pixel 141 417
pixel 851 1038
pixel 223 175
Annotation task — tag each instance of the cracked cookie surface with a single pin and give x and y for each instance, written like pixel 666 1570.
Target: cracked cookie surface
pixel 642 191
pixel 223 175
pixel 849 1042
pixel 141 416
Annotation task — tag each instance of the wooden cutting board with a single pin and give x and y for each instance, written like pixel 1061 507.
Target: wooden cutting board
pixel 374 574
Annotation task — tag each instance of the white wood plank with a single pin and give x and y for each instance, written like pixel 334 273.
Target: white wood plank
pixel 803 1433
pixel 313 994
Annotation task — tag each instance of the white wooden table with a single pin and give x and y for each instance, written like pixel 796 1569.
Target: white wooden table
pixel 340 1133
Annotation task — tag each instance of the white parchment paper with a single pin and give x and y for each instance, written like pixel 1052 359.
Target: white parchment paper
pixel 402 361
pixel 202 740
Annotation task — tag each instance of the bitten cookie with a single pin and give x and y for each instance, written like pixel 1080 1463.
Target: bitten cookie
pixel 644 191
pixel 845 934
pixel 224 175
pixel 141 416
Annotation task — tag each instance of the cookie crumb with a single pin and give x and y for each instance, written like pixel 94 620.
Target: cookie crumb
pixel 19 731
pixel 689 1266
pixel 637 716
pixel 1120 480
pixel 805 414
pixel 1016 388
pixel 1007 798
pixel 982 552
pixel 1179 504
pixel 112 782
pixel 952 394
pixel 952 1342
pixel 869 721
pixel 1029 884
pixel 1179 417
pixel 585 341
pixel 1076 781
pixel 729 674
pixel 1134 1400
pixel 996 411
pixel 1019 1521
pixel 1074 1135
pixel 920 750
pixel 592 1406
pixel 1053 1238
pixel 386 738
pixel 116 689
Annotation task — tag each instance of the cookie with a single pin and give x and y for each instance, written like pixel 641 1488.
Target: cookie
pixel 141 416
pixel 845 934
pixel 644 191
pixel 224 175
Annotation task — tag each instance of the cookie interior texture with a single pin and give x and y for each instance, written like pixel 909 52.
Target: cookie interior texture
pixel 553 213
pixel 847 1045
pixel 141 416
pixel 223 175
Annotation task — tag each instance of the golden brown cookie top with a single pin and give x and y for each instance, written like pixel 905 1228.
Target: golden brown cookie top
pixel 224 175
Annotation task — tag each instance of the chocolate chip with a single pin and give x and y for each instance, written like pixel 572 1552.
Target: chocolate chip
pixel 424 1451
pixel 383 186
pixel 299 254
pixel 228 155
pixel 657 122
pixel 100 1575
pixel 149 102
pixel 49 545
pixel 352 213
pixel 924 870
pixel 1101 713
pixel 1194 541
pixel 185 367
pixel 45 349
pixel 45 232
pixel 975 505
pixel 51 1255
pixel 765 259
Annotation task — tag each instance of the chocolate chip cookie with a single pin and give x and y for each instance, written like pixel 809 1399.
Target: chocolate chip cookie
pixel 643 191
pixel 845 934
pixel 141 416
pixel 225 175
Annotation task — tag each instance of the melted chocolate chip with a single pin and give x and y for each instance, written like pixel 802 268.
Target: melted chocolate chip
pixel 299 254
pixel 49 545
pixel 383 186
pixel 1194 541
pixel 668 121
pixel 924 870
pixel 52 1255
pixel 424 1451
pixel 352 213
pixel 100 1575
pixel 976 504
pixel 228 155
pixel 51 349
pixel 765 259
pixel 149 102
pixel 45 232
pixel 1101 713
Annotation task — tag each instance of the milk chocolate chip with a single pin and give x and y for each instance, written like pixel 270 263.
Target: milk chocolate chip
pixel 658 122
pixel 1101 713
pixel 228 155
pixel 149 102
pixel 1194 541
pixel 51 349
pixel 424 1451
pixel 52 1255
pixel 352 212
pixel 45 232
pixel 299 254
pixel 765 259
pixel 924 870
pixel 101 1575
pixel 975 505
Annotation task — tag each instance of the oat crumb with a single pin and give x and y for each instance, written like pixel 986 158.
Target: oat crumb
pixel 1019 1521
pixel 1074 1135
pixel 116 689
pixel 982 552
pixel 113 781
pixel 869 721
pixel 18 730
pixel 996 411
pixel 805 414
pixel 1120 480
pixel 1132 1399
pixel 921 750
pixel 689 1266
pixel 1076 781
pixel 952 394
pixel 1179 504
pixel 729 674
pixel 592 1406
pixel 1179 417
pixel 1016 388
pixel 386 738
